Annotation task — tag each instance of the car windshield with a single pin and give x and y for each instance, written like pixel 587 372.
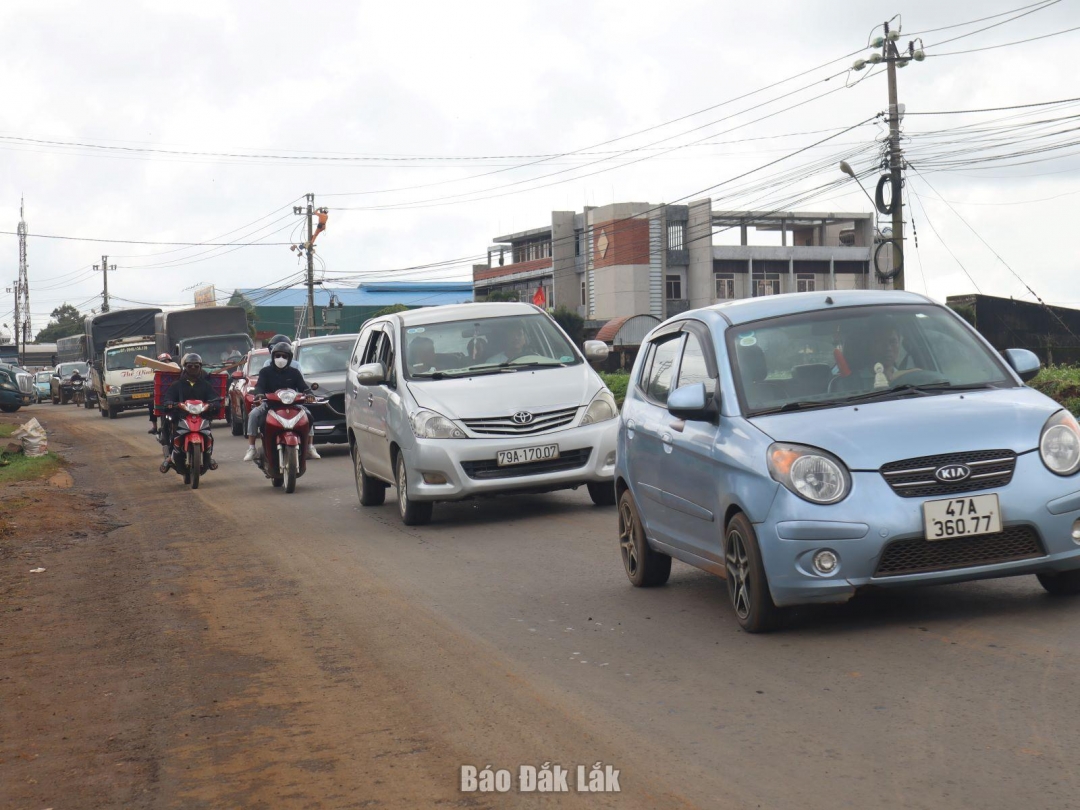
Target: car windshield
pixel 123 359
pixel 42 377
pixel 325 358
pixel 825 358
pixel 485 346
pixel 218 351
pixel 256 361
pixel 67 369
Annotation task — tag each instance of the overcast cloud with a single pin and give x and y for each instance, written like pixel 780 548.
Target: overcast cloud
pixel 471 79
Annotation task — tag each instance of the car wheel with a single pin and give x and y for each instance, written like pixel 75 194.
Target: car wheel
pixel 748 586
pixel 113 411
pixel 644 567
pixel 413 513
pixel 602 494
pixel 1062 583
pixel 9 408
pixel 371 491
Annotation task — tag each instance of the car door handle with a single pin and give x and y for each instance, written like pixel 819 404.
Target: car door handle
pixel 370 399
pixel 669 442
pixel 630 425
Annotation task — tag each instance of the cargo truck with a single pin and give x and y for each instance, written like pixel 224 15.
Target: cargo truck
pixel 217 334
pixel 113 341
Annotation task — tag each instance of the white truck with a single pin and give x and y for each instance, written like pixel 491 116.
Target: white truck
pixel 125 385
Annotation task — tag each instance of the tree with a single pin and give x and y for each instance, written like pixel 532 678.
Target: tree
pixel 238 300
pixel 571 323
pixel 502 295
pixel 65 322
pixel 390 310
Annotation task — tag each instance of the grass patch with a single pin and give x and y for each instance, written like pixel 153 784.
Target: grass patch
pixel 617 381
pixel 22 468
pixel 1061 384
pixel 6 430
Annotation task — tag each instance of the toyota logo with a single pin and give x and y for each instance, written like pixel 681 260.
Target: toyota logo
pixel 522 418
pixel 951 473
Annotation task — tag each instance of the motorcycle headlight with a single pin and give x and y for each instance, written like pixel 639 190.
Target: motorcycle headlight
pixel 1059 444
pixel 194 408
pixel 810 473
pixel 601 409
pixel 287 397
pixel 431 425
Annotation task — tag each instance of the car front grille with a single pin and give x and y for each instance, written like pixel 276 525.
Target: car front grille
pixel 489 468
pixel 917 555
pixel 25 382
pixel 914 477
pixel 127 389
pixel 506 426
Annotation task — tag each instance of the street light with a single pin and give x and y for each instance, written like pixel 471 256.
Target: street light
pixel 845 167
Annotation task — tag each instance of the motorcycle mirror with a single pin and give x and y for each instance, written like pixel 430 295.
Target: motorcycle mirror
pixel 314 386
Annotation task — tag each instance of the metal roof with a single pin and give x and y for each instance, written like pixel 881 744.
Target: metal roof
pixel 369 294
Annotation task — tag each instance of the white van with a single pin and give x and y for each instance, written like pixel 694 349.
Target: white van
pixel 452 402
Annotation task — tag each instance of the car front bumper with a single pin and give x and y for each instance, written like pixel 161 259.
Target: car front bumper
pixel 586 455
pixel 13 398
pixel 860 528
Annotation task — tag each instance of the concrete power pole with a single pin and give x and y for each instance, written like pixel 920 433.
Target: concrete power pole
pixel 22 289
pixel 312 233
pixel 105 267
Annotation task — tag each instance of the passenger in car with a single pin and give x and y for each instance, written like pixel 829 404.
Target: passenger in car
pixel 422 355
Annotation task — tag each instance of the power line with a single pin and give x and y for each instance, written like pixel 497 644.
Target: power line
pixel 144 242
pixel 1005 44
pixel 1042 7
pixel 943 243
pixel 974 22
pixel 995 109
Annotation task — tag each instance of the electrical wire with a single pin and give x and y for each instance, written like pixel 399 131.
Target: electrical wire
pixel 1005 44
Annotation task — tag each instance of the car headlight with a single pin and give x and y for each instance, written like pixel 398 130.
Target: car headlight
pixel 112 389
pixel 810 473
pixel 1059 444
pixel 431 425
pixel 601 409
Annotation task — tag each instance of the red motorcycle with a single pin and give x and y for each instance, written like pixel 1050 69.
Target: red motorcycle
pixel 280 454
pixel 190 442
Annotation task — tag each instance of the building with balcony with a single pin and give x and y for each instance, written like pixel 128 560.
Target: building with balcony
pixel 637 258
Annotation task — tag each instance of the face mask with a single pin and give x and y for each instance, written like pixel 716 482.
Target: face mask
pixel 281 362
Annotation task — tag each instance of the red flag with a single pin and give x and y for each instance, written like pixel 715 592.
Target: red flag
pixel 539 298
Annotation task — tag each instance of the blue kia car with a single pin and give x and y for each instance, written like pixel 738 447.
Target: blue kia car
pixel 806 446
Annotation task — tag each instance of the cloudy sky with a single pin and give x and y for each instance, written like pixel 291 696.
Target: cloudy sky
pixel 429 128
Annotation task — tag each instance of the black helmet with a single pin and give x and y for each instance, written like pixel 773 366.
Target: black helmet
pixel 283 347
pixel 191 359
pixel 277 339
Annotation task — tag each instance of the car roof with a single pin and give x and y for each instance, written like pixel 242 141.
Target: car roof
pixel 462 312
pixel 350 336
pixel 745 310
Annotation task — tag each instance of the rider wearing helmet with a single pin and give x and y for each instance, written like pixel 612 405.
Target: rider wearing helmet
pixel 280 372
pixel 164 357
pixel 276 339
pixel 192 385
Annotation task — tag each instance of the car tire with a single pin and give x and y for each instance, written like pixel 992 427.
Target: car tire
pixel 602 494
pixel 644 567
pixel 1061 583
pixel 102 412
pixel 413 513
pixel 113 411
pixel 9 408
pixel 370 491
pixel 747 583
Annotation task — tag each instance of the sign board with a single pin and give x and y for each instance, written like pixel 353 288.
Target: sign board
pixel 206 297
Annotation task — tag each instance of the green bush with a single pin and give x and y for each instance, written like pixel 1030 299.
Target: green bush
pixel 1061 384
pixel 617 382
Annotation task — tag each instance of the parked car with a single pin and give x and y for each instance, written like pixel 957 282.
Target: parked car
pixel 323 361
pixel 42 390
pixel 16 388
pixel 806 446
pixel 60 381
pixel 457 401
pixel 242 389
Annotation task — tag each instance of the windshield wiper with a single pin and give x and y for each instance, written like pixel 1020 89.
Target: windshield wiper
pixel 511 365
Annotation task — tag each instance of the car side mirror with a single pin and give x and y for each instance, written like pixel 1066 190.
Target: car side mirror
pixel 596 351
pixel 1025 363
pixel 691 402
pixel 371 374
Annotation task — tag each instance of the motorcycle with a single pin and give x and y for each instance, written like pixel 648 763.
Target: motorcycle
pixel 189 441
pixel 78 391
pixel 280 451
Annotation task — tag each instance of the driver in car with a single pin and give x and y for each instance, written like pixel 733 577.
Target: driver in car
pixel 887 349
pixel 422 355
pixel 514 342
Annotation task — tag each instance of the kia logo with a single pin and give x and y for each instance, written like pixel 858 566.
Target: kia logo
pixel 952 472
pixel 522 418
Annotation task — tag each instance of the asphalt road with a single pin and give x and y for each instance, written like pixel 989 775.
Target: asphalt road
pixel 955 696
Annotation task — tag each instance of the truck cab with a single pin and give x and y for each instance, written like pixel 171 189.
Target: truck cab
pixel 124 385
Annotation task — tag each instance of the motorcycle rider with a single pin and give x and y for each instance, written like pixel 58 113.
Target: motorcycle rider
pixel 192 385
pixel 280 373
pixel 164 357
pixel 75 375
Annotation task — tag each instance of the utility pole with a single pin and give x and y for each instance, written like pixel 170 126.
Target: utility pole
pixel 893 59
pixel 105 267
pixel 313 231
pixel 22 288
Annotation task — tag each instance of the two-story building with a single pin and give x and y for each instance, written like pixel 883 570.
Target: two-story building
pixel 636 258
